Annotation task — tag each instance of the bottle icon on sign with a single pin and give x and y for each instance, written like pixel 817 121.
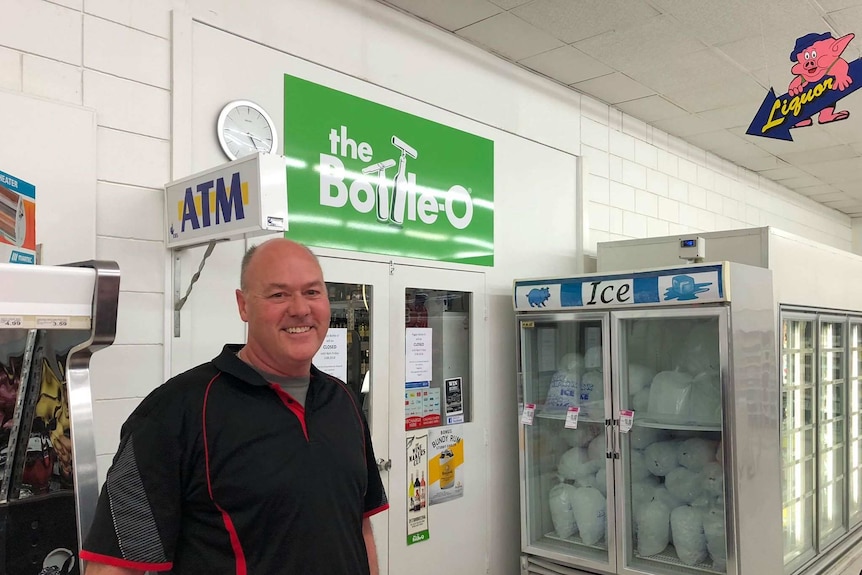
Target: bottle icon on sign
pixel 423 494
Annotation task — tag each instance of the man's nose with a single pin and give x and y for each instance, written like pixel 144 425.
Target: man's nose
pixel 298 306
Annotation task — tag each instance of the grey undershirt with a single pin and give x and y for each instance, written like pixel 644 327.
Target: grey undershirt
pixel 297 387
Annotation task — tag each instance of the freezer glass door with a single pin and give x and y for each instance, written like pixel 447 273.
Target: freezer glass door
pixel 855 391
pixel 566 473
pixel 798 429
pixel 832 442
pixel 668 369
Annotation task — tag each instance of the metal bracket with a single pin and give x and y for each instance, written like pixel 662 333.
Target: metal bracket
pixel 391 268
pixel 179 302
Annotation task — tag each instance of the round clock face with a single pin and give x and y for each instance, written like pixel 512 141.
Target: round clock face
pixel 245 128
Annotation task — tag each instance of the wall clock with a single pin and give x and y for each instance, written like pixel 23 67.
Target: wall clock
pixel 245 128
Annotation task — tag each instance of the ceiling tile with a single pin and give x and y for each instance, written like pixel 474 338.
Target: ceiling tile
pixel 651 43
pixel 818 155
pixel 802 182
pixel 715 21
pixel 779 174
pixel 715 140
pixel 509 4
pixel 831 197
pixel 837 171
pixel 687 125
pixel 739 115
pixel 846 21
pixel 572 21
pixel 817 190
pixel 679 71
pixel 651 108
pixel 699 98
pixel 567 65
pixel 509 36
pixel 853 187
pixel 833 5
pixel 613 88
pixel 449 14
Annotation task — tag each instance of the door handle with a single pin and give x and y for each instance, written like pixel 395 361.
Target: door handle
pixel 384 465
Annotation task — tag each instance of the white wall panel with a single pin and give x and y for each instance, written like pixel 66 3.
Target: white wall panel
pixel 133 159
pixel 142 263
pixel 126 52
pixel 125 371
pixel 10 69
pixel 152 16
pixel 42 28
pixel 129 212
pixel 127 105
pixel 108 418
pixel 51 79
pixel 139 318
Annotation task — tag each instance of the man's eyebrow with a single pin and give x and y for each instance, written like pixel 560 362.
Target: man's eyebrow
pixel 283 286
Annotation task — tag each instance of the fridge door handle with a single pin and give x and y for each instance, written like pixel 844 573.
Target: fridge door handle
pixel 609 438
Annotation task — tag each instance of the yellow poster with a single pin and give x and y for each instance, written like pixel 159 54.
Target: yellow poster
pixel 445 464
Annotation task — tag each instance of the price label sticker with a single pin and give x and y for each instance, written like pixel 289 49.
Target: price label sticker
pixel 529 412
pixel 572 417
pixel 11 321
pixel 52 322
pixel 627 417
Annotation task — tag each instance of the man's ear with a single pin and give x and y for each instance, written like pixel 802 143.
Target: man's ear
pixel 240 304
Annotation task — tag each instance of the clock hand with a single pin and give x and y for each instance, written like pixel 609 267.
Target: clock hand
pixel 238 141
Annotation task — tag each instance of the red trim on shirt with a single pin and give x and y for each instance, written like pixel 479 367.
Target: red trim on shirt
pixel 116 562
pixel 239 555
pixel 293 405
pixel 380 509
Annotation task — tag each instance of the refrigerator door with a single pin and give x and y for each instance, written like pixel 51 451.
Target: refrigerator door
pixel 566 474
pixel 669 366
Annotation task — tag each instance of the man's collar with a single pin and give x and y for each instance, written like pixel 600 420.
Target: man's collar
pixel 228 362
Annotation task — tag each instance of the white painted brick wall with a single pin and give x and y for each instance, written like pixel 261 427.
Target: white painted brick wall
pixel 51 79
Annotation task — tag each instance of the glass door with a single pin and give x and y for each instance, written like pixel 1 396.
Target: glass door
pixel 798 431
pixel 854 380
pixel 357 352
pixel 669 368
pixel 832 442
pixel 566 473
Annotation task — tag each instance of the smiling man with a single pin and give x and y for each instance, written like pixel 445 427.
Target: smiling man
pixel 255 462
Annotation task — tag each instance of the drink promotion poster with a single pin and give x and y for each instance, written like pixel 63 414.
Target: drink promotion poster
pixel 417 496
pixel 446 464
pixel 331 358
pixel 454 401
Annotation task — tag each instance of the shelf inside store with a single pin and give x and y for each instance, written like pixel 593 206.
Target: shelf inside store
pixel 678 425
pixel 574 539
pixel 670 557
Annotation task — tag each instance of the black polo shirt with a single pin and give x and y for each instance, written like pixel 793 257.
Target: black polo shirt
pixel 220 472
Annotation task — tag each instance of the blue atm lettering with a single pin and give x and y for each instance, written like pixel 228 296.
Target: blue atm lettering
pixel 228 203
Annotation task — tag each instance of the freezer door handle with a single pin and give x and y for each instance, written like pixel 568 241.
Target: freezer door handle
pixel 609 439
pixel 384 464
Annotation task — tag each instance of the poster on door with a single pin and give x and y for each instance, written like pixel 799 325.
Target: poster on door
pixel 445 464
pixel 421 405
pixel 417 500
pixel 454 401
pixel 418 354
pixel 331 358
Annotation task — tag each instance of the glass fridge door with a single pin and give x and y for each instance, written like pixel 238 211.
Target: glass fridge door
pixel 566 473
pixel 668 369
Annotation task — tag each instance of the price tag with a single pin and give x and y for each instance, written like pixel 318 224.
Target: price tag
pixel 572 417
pixel 627 417
pixel 529 412
pixel 49 322
pixel 11 321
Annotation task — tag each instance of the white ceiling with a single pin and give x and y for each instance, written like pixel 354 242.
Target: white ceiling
pixel 697 69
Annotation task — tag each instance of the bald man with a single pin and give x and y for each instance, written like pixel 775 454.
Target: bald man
pixel 253 463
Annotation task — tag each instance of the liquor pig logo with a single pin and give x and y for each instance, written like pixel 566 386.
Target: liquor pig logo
pixel 822 78
pixel 538 296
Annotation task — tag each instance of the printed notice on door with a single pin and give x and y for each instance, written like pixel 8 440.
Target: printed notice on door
pixel 418 354
pixel 331 358
pixel 445 464
pixel 417 496
pixel 454 401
